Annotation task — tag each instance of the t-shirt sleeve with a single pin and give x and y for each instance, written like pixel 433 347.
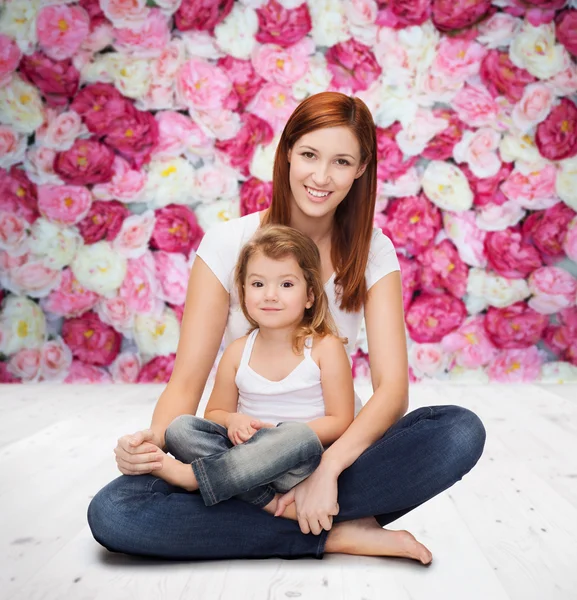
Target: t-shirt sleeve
pixel 382 258
pixel 218 250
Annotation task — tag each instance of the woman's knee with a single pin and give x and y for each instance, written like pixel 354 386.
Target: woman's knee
pixel 467 434
pixel 103 514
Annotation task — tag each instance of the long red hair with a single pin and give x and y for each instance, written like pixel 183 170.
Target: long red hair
pixel 353 221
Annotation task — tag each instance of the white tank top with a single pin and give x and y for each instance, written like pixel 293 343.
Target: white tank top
pixel 297 397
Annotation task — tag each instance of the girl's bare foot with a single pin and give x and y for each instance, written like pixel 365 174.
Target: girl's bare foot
pixel 367 538
pixel 289 513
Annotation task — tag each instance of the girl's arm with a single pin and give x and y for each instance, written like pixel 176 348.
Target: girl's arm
pixel 338 391
pixel 385 325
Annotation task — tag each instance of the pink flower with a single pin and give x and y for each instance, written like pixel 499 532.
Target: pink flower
pixel 13 233
pixel 475 106
pixel 443 270
pixel 87 162
pixel 149 39
pixel 18 195
pixel 255 195
pixel 178 134
pixel 116 313
pixel 515 326
pixel 360 365
pixel 39 165
pixel 178 311
pixel 537 12
pixel 556 136
pixel 55 360
pixel 570 243
pixel 125 13
pixel 391 162
pixel 561 339
pixel 457 59
pixel 125 368
pixel 57 80
pixel 5 375
pixel 411 277
pixel 201 85
pixel 353 65
pixel 176 230
pixel 10 56
pixel 441 146
pixel 172 273
pixel 245 82
pixel 427 360
pixel 201 15
pixel 502 77
pixel 498 30
pixel 486 190
pixel 516 366
pixel 547 229
pixel 140 286
pixel 413 222
pixel 157 370
pixel 282 26
pixel 403 13
pixel 66 204
pixel 83 373
pixel 284 66
pixel 430 318
pixel 134 235
pixel 533 107
pixel 448 15
pixel 61 29
pixel 90 340
pixel 126 184
pixel 239 150
pixel 33 278
pixel 103 221
pixel 479 150
pixel 533 191
pixel 509 255
pixel 12 146
pixel 470 345
pixel 99 105
pixel 25 364
pixel 553 290
pixel 273 103
pixel 135 137
pixel 60 130
pixel 462 229
pixel 70 299
pixel 566 29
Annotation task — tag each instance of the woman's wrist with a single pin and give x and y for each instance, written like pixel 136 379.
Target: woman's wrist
pixel 330 464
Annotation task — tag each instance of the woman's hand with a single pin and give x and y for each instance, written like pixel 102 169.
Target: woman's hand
pixel 315 499
pixel 139 453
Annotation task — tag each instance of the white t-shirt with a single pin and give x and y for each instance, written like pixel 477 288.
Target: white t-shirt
pixel 220 248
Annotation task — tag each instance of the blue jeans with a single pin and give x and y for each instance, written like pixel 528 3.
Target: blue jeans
pixel 273 460
pixel 424 453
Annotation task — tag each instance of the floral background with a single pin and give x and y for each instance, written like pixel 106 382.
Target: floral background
pixel 128 127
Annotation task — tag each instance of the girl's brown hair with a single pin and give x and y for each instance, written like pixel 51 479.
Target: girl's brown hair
pixel 277 242
pixel 353 222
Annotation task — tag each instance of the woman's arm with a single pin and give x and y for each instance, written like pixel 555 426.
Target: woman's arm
pixel 203 324
pixel 338 391
pixel 385 325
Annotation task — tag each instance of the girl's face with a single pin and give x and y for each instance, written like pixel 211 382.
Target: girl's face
pixel 323 166
pixel 276 291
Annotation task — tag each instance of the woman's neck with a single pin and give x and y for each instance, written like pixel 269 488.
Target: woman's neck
pixel 318 229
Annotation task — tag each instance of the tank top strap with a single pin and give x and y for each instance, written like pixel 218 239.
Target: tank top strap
pixel 247 350
pixel 308 346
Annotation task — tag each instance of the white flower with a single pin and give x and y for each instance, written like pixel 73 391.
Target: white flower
pixel 263 160
pixel 21 106
pixel 208 214
pixel 12 147
pixel 18 21
pixel 447 186
pixel 215 182
pixel 534 49
pixel 468 376
pixel 201 44
pixel 22 325
pixel 408 184
pixel 361 15
pixel 56 245
pixel 493 217
pixel 170 180
pixel 419 131
pixel 521 149
pixel 427 359
pixel 236 34
pixel 168 7
pixel 316 79
pixel 478 149
pixel 289 4
pixel 566 181
pixel 116 313
pixel 132 76
pixel 389 102
pixel 98 268
pixel 157 335
pixel 495 290
pixel 221 124
pixel 329 22
pixel 558 372
pixel 134 235
pixel 499 30
pixel 101 69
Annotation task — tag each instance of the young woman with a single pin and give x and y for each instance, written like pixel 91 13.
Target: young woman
pixel 387 462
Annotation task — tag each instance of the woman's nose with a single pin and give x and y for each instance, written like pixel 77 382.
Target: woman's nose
pixel 321 175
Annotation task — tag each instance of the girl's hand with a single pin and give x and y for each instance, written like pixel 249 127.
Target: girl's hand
pixel 239 428
pixel 138 454
pixel 315 499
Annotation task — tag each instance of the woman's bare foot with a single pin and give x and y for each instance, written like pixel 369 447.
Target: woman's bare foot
pixel 366 537
pixel 290 511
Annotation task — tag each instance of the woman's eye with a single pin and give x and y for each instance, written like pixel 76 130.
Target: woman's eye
pixel 308 155
pixel 342 162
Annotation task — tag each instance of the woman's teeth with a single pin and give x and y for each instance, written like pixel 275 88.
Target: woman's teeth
pixel 316 193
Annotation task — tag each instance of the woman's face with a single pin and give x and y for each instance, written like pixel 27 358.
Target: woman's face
pixel 323 166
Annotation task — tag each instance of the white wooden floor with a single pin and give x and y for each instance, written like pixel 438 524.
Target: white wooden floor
pixel 508 530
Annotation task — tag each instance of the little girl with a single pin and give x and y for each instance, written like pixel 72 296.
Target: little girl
pixel 281 393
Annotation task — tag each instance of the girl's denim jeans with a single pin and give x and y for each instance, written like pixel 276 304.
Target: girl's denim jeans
pixel 273 460
pixel 424 453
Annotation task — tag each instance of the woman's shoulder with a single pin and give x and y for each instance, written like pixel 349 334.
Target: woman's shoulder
pixel 382 258
pixel 379 243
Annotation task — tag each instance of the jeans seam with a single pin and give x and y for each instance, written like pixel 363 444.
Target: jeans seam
pixel 264 496
pixel 203 481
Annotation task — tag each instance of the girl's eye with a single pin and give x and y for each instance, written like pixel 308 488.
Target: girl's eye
pixel 256 284
pixel 287 284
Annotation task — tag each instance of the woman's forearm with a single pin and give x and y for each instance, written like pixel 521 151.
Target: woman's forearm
pixel 384 409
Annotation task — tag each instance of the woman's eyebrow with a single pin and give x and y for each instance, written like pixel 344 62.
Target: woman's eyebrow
pixel 315 150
